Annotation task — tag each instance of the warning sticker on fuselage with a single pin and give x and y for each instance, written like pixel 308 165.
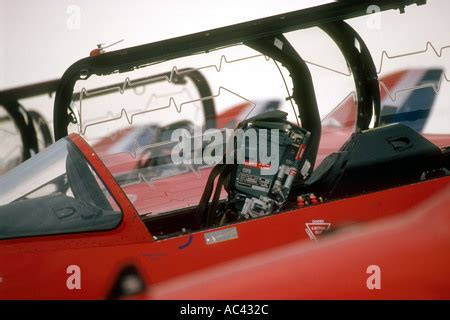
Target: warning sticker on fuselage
pixel 221 235
pixel 316 227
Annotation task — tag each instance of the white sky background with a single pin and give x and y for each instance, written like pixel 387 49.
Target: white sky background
pixel 37 42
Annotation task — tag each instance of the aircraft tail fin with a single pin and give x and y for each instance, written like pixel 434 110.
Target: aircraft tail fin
pixel 407 97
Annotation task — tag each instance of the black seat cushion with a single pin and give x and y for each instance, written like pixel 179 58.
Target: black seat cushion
pixel 375 159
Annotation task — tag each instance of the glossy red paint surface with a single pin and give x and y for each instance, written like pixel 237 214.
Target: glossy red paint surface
pixel 36 268
pixel 410 254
